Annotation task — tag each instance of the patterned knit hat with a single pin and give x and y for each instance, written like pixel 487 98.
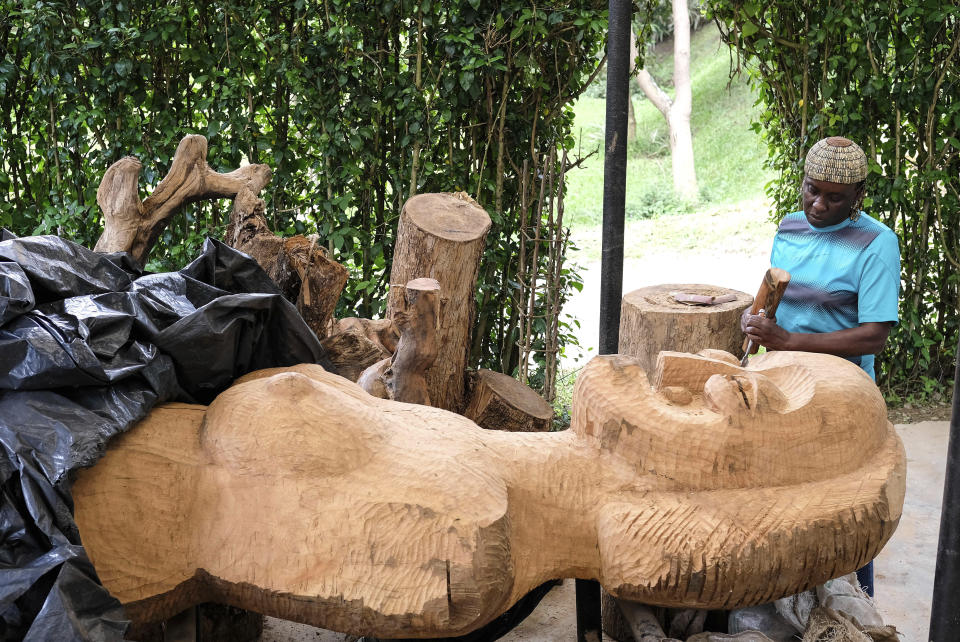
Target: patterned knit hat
pixel 836 160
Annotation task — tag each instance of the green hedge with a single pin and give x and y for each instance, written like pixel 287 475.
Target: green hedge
pixel 884 74
pixel 353 104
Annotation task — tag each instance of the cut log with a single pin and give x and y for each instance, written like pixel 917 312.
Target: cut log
pixel 441 236
pixel 383 332
pixel 297 495
pixel 132 226
pixel 297 264
pixel 500 402
pixel 644 625
pixel 651 320
pixel 615 625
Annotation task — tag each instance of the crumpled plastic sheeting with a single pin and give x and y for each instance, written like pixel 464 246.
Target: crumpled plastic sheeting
pixel 88 345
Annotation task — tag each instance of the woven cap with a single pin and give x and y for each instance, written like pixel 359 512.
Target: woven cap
pixel 836 160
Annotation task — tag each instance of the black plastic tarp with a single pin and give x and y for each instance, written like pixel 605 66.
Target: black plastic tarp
pixel 88 345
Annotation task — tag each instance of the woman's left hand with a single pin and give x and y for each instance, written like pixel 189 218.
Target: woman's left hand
pixel 765 332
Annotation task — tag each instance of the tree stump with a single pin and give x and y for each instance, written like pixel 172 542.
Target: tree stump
pixel 402 377
pixel 297 264
pixel 417 349
pixel 500 402
pixel 441 236
pixel 651 320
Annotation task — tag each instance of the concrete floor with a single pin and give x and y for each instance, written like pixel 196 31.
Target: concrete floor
pixel 904 570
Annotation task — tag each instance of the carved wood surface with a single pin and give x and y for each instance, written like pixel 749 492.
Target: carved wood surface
pixel 441 236
pixel 298 495
pixel 651 320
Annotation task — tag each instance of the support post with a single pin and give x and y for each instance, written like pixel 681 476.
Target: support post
pixel 614 175
pixel 611 266
pixel 945 610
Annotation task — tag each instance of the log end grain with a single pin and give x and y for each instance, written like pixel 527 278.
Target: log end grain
pixel 500 402
pixel 453 217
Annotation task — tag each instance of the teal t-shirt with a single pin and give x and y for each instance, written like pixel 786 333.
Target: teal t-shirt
pixel 840 276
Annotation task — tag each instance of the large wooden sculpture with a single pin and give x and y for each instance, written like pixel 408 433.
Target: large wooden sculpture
pixel 298 495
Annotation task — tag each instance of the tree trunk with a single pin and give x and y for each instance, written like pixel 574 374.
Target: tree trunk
pixel 652 320
pixel 297 264
pixel 500 402
pixel 441 236
pixel 681 140
pixel 677 111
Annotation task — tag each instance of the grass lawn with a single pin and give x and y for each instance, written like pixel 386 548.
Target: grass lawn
pixel 728 154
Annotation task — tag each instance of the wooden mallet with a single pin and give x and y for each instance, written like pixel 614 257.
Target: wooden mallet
pixel 768 298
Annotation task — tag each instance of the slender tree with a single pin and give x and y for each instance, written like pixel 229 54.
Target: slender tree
pixel 676 111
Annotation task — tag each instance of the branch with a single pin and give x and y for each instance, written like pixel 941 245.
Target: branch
pixel 654 94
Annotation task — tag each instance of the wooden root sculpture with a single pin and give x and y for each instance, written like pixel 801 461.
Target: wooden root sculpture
pixel 298 495
pixel 132 226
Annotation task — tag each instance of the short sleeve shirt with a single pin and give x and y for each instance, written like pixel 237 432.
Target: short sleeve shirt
pixel 840 276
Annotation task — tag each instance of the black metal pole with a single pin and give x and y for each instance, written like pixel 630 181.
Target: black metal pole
pixel 945 610
pixel 614 175
pixel 611 264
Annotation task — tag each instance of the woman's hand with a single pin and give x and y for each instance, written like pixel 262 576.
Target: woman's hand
pixel 765 332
